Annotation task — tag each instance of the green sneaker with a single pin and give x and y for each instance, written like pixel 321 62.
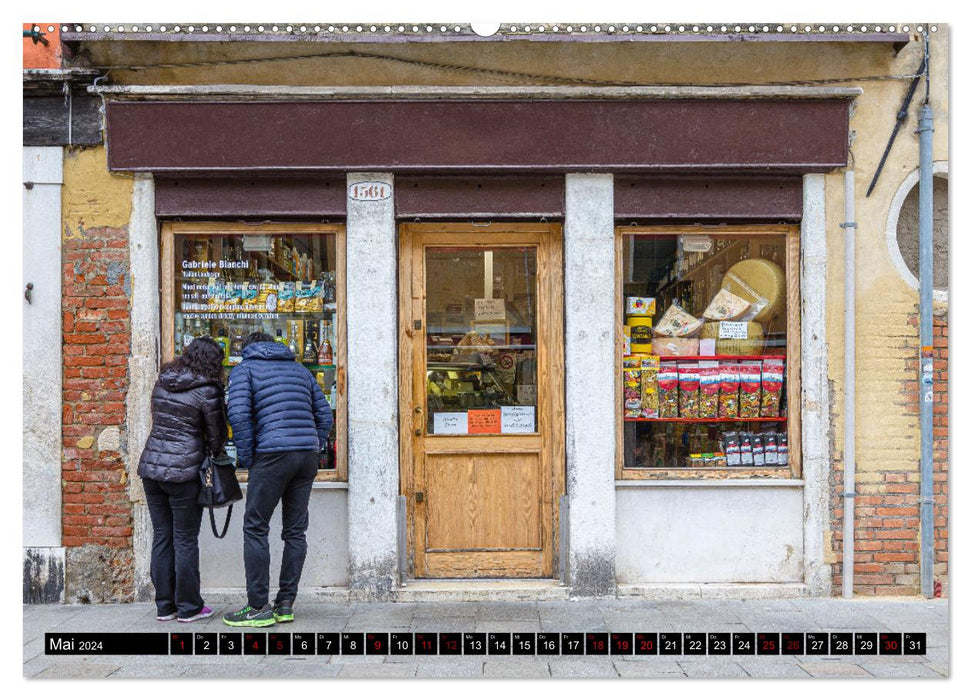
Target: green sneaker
pixel 250 617
pixel 283 611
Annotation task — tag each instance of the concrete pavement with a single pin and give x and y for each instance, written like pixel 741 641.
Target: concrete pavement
pixel 600 615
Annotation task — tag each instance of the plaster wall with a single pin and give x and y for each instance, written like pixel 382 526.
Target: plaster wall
pixel 710 534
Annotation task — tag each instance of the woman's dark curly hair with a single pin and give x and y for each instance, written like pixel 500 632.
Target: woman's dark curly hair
pixel 204 357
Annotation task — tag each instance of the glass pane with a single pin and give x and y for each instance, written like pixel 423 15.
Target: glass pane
pixel 480 336
pixel 228 286
pixel 705 320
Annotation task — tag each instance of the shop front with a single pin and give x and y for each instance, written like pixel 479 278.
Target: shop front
pixel 573 339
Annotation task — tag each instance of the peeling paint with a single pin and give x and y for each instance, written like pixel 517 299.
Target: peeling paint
pixel 92 196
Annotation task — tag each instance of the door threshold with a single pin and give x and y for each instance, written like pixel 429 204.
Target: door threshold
pixel 472 590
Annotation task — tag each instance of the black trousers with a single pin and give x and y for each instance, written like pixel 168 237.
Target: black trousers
pixel 176 516
pixel 274 478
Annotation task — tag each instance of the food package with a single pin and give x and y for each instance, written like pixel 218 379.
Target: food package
pixel 667 390
pixel 632 393
pixel 783 449
pixel 750 389
pixel 710 381
pixel 472 346
pixel 677 323
pixel 309 297
pixel 771 449
pixel 733 455
pixel 760 282
pixel 689 385
pixel 696 460
pixel 640 306
pixel 758 451
pixel 752 344
pixel 650 366
pixel 640 333
pixel 632 361
pixel 725 306
pixel 745 448
pixel 773 374
pixel 675 347
pixel 728 390
pixel 626 341
pixel 286 296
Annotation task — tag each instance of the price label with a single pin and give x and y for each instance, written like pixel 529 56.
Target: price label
pixel 736 330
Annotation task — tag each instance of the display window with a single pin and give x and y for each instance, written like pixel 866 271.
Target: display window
pixel 708 360
pixel 229 280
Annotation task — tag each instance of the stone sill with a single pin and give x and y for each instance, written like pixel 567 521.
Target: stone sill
pixel 714 483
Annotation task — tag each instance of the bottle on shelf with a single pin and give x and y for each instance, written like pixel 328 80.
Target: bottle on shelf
pixel 325 352
pixel 236 348
pixel 279 336
pixel 309 349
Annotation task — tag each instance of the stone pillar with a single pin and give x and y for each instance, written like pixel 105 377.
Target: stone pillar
pixel 42 364
pixel 591 406
pixel 816 427
pixel 143 366
pixel 372 385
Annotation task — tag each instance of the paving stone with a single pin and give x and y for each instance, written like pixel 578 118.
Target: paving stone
pixel 583 667
pixel 772 668
pixel 378 670
pixel 36 665
pixel 148 670
pixel 78 670
pixel 451 668
pixel 885 668
pixel 439 610
pixel 830 669
pixel 941 669
pixel 649 668
pixel 504 626
pixel 508 611
pixel 515 669
pixel 226 670
pixel 713 667
pixel 445 624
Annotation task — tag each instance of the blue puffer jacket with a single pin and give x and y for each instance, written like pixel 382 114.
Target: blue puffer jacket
pixel 275 404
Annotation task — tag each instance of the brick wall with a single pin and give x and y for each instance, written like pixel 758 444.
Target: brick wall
pixel 888 502
pixel 97 520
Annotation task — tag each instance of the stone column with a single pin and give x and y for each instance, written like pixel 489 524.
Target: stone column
pixel 143 363
pixel 372 385
pixel 816 429
pixel 43 553
pixel 591 406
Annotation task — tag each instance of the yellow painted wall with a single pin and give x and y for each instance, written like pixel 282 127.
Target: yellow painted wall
pixel 93 197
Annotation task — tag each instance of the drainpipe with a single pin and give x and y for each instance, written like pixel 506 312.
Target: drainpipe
pixel 926 204
pixel 849 374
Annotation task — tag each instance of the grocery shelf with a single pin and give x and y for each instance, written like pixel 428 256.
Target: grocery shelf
pixel 666 358
pixel 705 420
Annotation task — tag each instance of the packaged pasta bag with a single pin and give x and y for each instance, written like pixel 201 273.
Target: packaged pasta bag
pixel 745 448
pixel 728 390
pixel 632 393
pixel 783 449
pixel 650 365
pixel 733 455
pixel 758 451
pixel 667 390
pixel 689 385
pixel 773 374
pixel 749 389
pixel 771 449
pixel 710 383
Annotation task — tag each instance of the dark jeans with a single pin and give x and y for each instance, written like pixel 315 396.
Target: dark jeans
pixel 276 477
pixel 176 516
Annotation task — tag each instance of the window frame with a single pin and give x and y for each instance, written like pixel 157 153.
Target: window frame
pixel 793 352
pixel 170 229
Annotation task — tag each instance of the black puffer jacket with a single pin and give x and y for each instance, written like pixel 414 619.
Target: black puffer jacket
pixel 188 418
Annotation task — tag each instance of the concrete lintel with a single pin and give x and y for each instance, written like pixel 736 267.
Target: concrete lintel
pixel 372 392
pixel 815 385
pixel 446 92
pixel 589 287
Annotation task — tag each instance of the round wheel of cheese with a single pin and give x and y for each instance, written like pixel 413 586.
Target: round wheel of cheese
pixel 760 282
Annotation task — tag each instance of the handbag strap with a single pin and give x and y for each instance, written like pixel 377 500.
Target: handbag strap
pixel 212 521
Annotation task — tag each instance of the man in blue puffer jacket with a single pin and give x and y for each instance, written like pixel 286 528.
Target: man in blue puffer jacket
pixel 280 422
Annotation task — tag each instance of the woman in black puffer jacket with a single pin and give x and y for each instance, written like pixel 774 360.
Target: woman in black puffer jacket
pixel 188 422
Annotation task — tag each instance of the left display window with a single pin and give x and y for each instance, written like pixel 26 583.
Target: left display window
pixel 229 280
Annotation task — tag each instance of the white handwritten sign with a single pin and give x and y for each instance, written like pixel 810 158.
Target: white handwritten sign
pixel 695 244
pixel 369 191
pixel 490 309
pixel 451 423
pixel 518 419
pixel 736 330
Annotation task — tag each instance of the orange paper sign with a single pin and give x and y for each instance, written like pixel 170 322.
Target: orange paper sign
pixel 487 421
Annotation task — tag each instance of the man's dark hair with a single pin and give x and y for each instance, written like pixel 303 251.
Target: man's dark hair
pixel 257 337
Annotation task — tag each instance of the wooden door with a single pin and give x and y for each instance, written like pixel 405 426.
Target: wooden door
pixel 482 418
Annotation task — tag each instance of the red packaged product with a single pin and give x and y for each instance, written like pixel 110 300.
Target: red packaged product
pixel 750 389
pixel 667 390
pixel 710 382
pixel 728 391
pixel 773 374
pixel 689 385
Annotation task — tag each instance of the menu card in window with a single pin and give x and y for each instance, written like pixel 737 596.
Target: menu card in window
pixel 518 419
pixel 451 423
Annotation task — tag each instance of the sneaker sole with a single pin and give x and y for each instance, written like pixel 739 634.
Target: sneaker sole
pixel 250 623
pixel 283 618
pixel 165 618
pixel 195 618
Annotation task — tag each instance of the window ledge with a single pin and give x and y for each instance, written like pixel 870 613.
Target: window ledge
pixel 716 483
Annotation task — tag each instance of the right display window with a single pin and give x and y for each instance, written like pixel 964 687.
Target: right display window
pixel 709 330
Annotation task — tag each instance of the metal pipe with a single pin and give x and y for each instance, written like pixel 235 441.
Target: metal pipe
pixel 926 204
pixel 849 380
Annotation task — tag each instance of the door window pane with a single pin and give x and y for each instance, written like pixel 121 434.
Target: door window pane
pixel 480 331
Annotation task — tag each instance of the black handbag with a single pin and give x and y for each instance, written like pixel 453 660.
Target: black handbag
pixel 220 488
